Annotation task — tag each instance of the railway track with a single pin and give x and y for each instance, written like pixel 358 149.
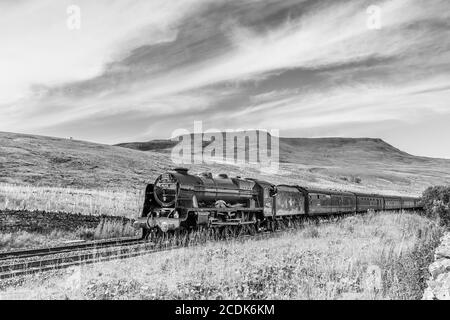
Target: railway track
pixel 23 262
pixel 26 253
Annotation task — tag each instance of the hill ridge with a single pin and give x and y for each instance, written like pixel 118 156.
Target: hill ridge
pixel 164 145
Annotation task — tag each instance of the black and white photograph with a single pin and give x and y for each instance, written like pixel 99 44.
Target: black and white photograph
pixel 224 156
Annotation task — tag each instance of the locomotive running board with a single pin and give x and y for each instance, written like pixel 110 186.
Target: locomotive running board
pixel 219 224
pixel 224 209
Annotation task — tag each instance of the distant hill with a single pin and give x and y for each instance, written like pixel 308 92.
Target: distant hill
pixel 362 164
pixel 302 150
pixel 153 145
pixel 48 161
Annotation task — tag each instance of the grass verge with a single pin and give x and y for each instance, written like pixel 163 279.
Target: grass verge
pixel 375 256
pixel 84 201
pixel 106 229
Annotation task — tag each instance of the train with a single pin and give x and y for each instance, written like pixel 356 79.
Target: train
pixel 178 201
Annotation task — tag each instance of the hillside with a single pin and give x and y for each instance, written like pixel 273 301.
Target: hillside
pixel 160 145
pixel 323 151
pixel 47 161
pixel 342 163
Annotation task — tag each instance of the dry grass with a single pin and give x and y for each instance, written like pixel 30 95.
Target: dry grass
pixel 24 239
pixel 108 229
pixel 92 202
pixel 376 256
pixel 70 200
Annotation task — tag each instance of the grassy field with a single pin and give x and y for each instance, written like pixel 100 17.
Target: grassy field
pixel 375 256
pixel 106 229
pixel 24 239
pixel 71 200
pixel 85 201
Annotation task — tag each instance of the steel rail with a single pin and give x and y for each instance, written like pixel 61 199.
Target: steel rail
pixel 14 268
pixel 95 255
pixel 101 251
pixel 27 253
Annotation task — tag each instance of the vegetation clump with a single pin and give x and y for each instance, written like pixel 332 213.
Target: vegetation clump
pixel 436 202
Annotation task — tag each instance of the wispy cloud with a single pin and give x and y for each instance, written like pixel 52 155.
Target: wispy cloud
pixel 149 67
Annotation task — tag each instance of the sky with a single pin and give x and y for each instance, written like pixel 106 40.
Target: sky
pixel 113 71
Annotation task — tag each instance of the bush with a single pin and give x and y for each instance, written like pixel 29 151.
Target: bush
pixel 436 201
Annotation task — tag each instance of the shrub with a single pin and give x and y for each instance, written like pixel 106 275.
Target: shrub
pixel 436 201
pixel 404 273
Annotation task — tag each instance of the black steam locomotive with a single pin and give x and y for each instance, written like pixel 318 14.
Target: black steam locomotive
pixel 182 201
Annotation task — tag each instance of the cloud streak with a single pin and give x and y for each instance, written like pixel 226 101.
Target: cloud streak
pixel 158 65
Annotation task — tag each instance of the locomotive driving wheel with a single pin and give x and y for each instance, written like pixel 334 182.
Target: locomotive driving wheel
pixel 154 236
pixel 240 231
pixel 145 234
pixel 251 229
pixel 227 232
pixel 198 235
pixel 212 233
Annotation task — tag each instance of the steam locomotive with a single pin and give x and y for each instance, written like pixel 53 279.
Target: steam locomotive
pixel 182 201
